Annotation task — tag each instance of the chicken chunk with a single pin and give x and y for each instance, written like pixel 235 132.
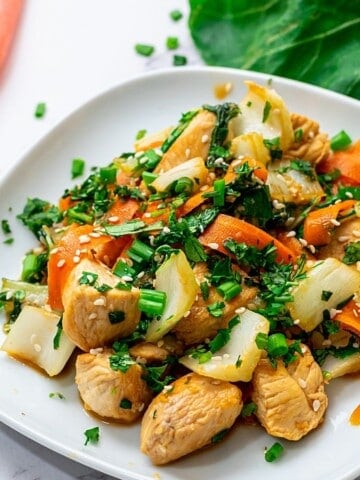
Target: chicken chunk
pixel 151 352
pixel 190 143
pixel 199 324
pixel 91 318
pixel 187 416
pixel 290 401
pixel 347 232
pixel 108 393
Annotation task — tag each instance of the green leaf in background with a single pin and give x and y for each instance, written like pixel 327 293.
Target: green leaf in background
pixel 315 41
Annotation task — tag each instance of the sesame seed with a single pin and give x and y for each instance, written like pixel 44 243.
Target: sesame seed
pixel 356 233
pixel 139 154
pixel 140 274
pixel 187 153
pixel 100 302
pixel 278 205
pixel 290 234
pixel 54 250
pixel 37 347
pixel 335 222
pixel 316 405
pixel 92 316
pixel 303 242
pixel 186 314
pixel 96 351
pixel 240 310
pixel 94 234
pixel 333 312
pixel 302 383
pixel 33 338
pixel 343 238
pixel 337 201
pixel 9 294
pixel 355 312
pixel 141 407
pixel 219 161
pixel 312 249
pixel 213 245
pixel 349 195
pixel 297 321
pixel 228 87
pixel 60 263
pixel 166 230
pixel 76 259
pixel 151 240
pixel 113 219
pixel 205 138
pixel 84 239
pixel 289 221
pixel 167 388
pixel 127 278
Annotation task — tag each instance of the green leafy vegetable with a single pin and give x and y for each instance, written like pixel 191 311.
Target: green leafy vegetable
pixel 301 39
pixel 92 435
pixel 352 253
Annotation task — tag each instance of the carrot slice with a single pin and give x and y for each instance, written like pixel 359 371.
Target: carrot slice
pixel 347 161
pixel 225 227
pixel 10 13
pixel 349 317
pixel 319 223
pixel 122 210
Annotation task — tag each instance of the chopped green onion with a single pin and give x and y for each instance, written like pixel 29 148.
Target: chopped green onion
pixel 9 241
pixel 40 110
pixel 77 167
pixel 298 134
pixel 340 141
pixel 325 295
pixel 184 185
pixel 92 435
pixel 179 60
pixel 152 302
pixel 274 452
pixel 153 159
pixel 176 15
pixel 116 317
pixel 108 174
pixel 219 190
pixel 266 112
pixel 149 177
pixel 29 267
pixel 219 436
pixel 145 50
pixel 216 309
pixel 172 43
pixel 261 341
pixel 205 290
pixel 229 289
pixel 140 134
pixel 56 340
pixel 57 395
pixel 5 227
pixel 123 269
pixel 125 404
pixel 277 345
pixel 140 252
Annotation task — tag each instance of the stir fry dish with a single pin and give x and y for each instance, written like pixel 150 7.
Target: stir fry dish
pixel 210 277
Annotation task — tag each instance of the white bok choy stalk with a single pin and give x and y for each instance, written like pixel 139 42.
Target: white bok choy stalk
pixel 264 111
pixel 332 276
pixel 250 145
pixel 334 367
pixel 288 184
pixel 194 169
pixel 237 359
pixel 37 338
pixel 176 278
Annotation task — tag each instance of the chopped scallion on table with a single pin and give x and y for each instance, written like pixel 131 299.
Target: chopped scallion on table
pixel 77 167
pixel 274 452
pixel 172 43
pixel 176 15
pixel 179 60
pixel 145 50
pixel 40 110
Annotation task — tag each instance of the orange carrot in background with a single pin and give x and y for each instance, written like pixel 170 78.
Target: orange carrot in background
pixel 225 227
pixel 319 223
pixel 10 11
pixel 349 317
pixel 347 162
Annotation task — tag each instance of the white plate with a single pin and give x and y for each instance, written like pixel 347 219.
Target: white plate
pixel 101 129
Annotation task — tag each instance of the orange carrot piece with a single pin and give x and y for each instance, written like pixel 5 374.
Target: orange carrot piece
pixel 349 317
pixel 80 241
pixel 10 11
pixel 65 203
pixel 292 244
pixel 319 223
pixel 347 161
pixel 225 227
pixel 122 211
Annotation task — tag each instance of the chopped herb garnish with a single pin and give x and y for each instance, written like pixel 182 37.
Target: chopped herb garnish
pixel 125 404
pixel 116 317
pixel 88 278
pixel 274 452
pixel 219 436
pixel 56 395
pixel 352 253
pixel 152 302
pixel 121 359
pixel 325 295
pixel 77 167
pixel 298 134
pixel 248 409
pixel 5 227
pixel 223 336
pixel 340 141
pixel 140 134
pixel 156 377
pixel 92 435
pixel 132 227
pixel 266 111
pixel 56 341
pixel 179 60
pixel 174 134
pixel 40 110
pixel 216 309
pixel 9 241
pixel 145 50
pixel 172 43
pixel 176 15
pixel 205 290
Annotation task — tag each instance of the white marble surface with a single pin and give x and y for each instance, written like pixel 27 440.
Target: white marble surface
pixel 65 52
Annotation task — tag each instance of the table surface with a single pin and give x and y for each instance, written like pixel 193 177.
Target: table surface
pixel 64 53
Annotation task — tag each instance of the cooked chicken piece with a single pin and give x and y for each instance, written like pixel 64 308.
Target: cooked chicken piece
pixel 290 401
pixel 91 318
pixel 313 146
pixel 159 352
pixel 199 324
pixel 191 143
pixel 108 393
pixel 187 415
pixel 347 232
